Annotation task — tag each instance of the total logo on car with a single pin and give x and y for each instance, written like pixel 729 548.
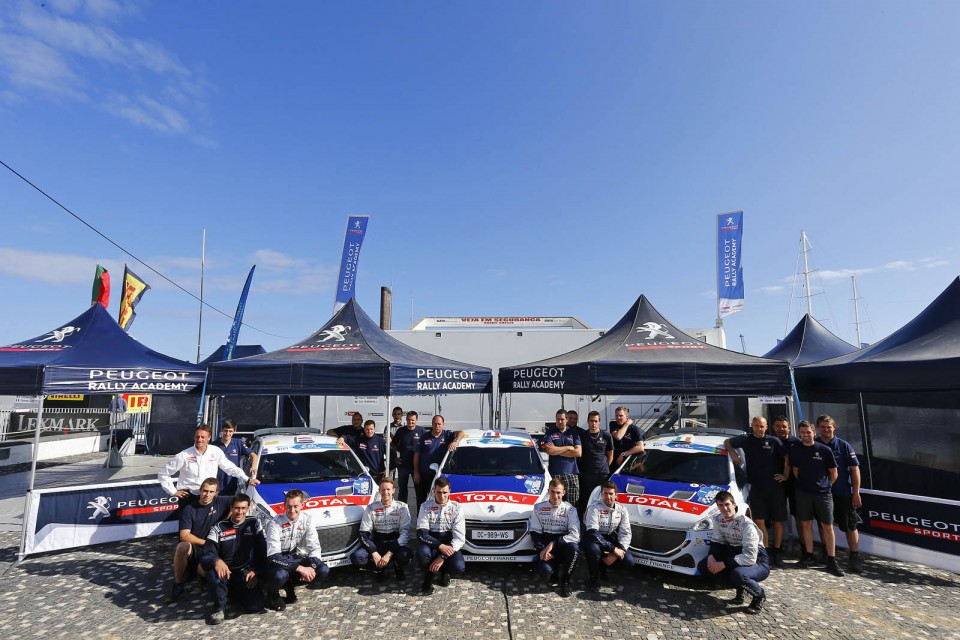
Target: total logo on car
pixel 497 476
pixel 338 486
pixel 669 493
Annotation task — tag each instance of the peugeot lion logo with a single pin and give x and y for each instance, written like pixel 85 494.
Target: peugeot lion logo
pixel 729 221
pixel 491 509
pixel 654 330
pixel 57 335
pixel 100 506
pixel 335 333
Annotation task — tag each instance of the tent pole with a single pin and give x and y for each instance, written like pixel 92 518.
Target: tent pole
pixel 33 476
pixel 388 435
pixel 491 420
pixel 36 443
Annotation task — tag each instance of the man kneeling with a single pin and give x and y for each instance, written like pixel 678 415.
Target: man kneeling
pixel 555 532
pixel 736 550
pixel 608 535
pixel 293 553
pixel 442 530
pixel 384 533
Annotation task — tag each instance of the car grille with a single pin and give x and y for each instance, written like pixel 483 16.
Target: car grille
pixel 519 528
pixel 338 539
pixel 656 540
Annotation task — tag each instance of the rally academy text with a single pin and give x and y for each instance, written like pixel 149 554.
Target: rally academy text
pixel 140 380
pixel 445 380
pixel 538 372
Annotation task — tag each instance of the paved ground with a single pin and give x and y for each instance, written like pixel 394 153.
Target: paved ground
pixel 116 591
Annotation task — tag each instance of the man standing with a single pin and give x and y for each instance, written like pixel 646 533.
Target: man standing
pixel 781 425
pixel 608 536
pixel 234 449
pixel 433 446
pixel 293 553
pixel 196 464
pixel 371 448
pixel 766 470
pixel 815 470
pixel 391 429
pixel 355 428
pixel 735 548
pixel 846 490
pixel 627 439
pixel 405 443
pixel 235 548
pixel 563 446
pixel 196 519
pixel 555 532
pixel 573 419
pixel 597 449
pixel 441 530
pixel 384 533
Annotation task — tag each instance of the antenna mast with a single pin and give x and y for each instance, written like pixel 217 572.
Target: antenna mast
pixel 856 309
pixel 203 257
pixel 805 246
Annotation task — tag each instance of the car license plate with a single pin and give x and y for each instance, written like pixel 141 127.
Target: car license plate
pixel 486 534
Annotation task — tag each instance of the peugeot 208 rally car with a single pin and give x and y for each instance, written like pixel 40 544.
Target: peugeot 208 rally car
pixel 668 492
pixel 338 486
pixel 497 476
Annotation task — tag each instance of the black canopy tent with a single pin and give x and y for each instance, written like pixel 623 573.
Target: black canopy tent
pixel 921 356
pixel 645 354
pixel 809 341
pixel 92 355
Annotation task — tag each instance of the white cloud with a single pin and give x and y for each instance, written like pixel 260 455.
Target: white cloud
pixel 48 268
pixel 772 289
pixel 64 49
pixel 270 259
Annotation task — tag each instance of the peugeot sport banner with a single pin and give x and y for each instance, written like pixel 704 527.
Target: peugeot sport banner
pixel 729 267
pixel 78 516
pixel 352 240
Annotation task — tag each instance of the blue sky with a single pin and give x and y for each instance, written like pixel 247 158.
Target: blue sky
pixel 534 158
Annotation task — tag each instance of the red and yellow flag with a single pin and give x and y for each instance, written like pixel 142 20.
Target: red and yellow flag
pixel 101 287
pixel 133 288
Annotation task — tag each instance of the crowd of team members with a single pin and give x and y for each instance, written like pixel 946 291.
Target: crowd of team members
pixel 238 557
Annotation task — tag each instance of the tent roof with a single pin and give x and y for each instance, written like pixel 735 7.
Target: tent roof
pixel 645 354
pixel 91 354
pixel 239 351
pixel 923 355
pixel 809 341
pixel 349 355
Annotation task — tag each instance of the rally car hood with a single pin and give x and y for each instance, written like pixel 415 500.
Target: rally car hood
pixel 510 496
pixel 347 497
pixel 673 505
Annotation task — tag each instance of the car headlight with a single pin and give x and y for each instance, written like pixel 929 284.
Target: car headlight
pixel 703 524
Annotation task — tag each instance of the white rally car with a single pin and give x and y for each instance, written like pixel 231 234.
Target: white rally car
pixel 338 486
pixel 669 494
pixel 497 476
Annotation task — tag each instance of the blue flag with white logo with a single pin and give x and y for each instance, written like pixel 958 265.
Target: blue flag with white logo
pixel 729 266
pixel 346 283
pixel 238 318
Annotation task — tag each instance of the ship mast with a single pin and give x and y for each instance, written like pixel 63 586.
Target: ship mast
pixel 805 247
pixel 856 309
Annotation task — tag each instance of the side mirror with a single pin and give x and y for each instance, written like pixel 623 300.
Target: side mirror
pixel 544 456
pixel 435 467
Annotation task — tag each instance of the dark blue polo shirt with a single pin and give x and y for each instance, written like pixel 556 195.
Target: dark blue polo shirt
pixel 813 464
pixel 199 518
pixel 593 462
pixel 432 448
pixel 845 457
pixel 764 457
pixel 371 451
pixel 629 440
pixel 405 443
pixel 233 452
pixel 566 438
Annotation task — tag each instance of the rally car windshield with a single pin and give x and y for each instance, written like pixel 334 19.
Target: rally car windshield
pixel 310 466
pixel 484 461
pixel 677 466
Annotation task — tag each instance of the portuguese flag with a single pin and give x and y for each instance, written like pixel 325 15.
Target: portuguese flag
pixel 101 287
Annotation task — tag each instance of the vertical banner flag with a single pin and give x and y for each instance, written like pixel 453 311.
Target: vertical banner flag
pixel 101 287
pixel 133 289
pixel 729 267
pixel 346 283
pixel 238 318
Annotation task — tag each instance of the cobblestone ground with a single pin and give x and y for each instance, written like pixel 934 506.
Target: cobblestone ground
pixel 116 591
